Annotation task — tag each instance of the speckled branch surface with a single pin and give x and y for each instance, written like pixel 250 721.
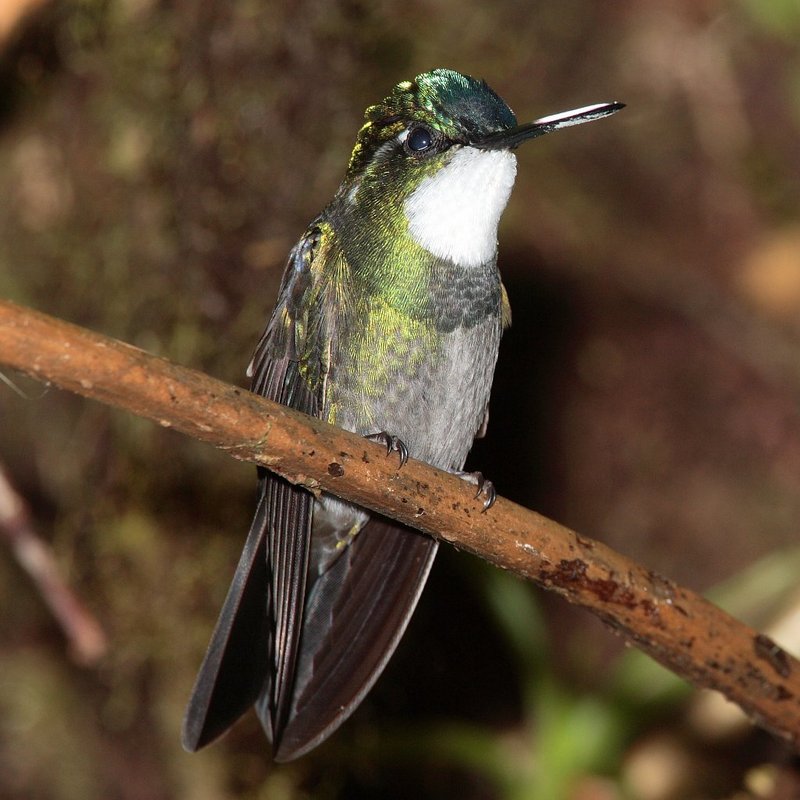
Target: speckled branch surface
pixel 677 627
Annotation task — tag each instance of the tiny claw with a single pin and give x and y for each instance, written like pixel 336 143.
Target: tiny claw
pixel 484 485
pixel 392 444
pixel 491 495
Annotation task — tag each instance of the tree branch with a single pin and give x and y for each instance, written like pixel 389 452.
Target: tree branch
pixel 675 626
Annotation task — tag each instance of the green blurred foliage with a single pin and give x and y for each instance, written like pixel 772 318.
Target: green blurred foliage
pixel 158 159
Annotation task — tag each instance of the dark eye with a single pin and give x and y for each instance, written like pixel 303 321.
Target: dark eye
pixel 419 139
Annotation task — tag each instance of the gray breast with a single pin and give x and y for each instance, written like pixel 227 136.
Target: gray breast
pixel 438 410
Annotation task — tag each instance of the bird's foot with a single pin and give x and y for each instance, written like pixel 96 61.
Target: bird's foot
pixel 392 444
pixel 485 487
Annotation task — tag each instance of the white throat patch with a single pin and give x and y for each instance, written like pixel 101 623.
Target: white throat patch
pixel 454 214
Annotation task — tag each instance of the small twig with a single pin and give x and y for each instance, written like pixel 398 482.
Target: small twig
pixel 13 386
pixel 677 627
pixel 86 638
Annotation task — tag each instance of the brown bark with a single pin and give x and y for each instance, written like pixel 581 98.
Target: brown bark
pixel 677 627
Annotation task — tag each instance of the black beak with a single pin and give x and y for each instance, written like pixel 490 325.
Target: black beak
pixel 513 137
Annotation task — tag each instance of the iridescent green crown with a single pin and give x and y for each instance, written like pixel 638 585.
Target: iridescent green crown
pixel 460 106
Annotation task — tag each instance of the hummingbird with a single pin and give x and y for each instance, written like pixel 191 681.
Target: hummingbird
pixel 387 324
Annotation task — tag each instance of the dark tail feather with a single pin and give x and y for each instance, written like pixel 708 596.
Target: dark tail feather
pixel 355 616
pixel 288 540
pixel 236 664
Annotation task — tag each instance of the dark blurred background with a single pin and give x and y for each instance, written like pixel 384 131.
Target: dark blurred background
pixel 157 161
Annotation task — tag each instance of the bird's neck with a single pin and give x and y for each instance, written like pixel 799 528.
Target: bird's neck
pixel 429 250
